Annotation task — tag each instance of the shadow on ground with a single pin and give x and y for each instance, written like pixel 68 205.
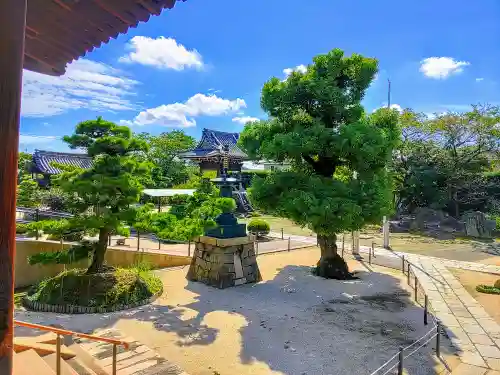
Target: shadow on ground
pixel 295 323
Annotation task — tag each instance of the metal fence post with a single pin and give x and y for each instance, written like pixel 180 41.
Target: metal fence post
pixel 408 275
pixel 416 289
pixel 403 258
pixel 426 309
pixel 373 249
pixel 159 244
pixel 400 364
pixel 289 240
pixel 438 339
pixel 370 257
pixel 138 239
pixel 282 234
pixel 343 243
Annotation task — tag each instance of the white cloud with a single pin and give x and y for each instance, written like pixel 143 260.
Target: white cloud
pixel 164 53
pixel 245 119
pixel 441 67
pixel 479 79
pixel 397 107
pixel 182 115
pixel 299 68
pixel 86 84
pixel 27 139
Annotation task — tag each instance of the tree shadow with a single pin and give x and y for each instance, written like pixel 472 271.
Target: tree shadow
pixel 296 323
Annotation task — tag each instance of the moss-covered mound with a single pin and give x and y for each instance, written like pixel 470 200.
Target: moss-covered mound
pixel 102 290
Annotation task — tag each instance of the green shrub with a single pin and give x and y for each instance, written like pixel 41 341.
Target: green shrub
pixel 497 284
pixel 258 227
pixel 226 205
pixel 21 228
pixel 178 199
pixel 74 254
pixel 488 289
pixel 35 228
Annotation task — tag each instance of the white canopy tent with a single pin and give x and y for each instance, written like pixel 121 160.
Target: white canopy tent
pixel 158 193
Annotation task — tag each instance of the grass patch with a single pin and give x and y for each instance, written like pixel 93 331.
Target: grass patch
pixel 488 289
pixel 107 289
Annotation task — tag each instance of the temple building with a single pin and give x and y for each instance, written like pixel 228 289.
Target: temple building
pixel 42 166
pixel 208 153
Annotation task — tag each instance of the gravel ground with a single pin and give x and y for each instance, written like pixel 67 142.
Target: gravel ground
pixel 291 323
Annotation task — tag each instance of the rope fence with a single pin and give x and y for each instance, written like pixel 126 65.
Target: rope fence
pixel 421 299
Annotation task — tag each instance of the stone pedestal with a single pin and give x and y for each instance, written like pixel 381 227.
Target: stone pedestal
pixel 224 263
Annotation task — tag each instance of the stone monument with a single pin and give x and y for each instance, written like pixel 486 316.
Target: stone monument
pixel 225 255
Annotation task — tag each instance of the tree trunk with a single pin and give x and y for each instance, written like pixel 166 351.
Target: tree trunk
pixel 331 265
pixel 99 252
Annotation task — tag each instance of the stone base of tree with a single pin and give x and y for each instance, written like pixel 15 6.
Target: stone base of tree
pixel 224 263
pixel 333 268
pixel 72 309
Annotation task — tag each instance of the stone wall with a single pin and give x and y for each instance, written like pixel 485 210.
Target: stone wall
pixel 26 274
pixel 224 263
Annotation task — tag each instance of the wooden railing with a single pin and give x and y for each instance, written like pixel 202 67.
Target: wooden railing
pixel 62 332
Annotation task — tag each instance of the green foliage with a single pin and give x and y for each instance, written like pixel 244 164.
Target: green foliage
pixel 59 230
pixel 488 289
pixel 59 200
pixel 28 193
pixel 258 227
pixel 226 205
pixel 318 124
pixel 35 228
pixel 178 199
pixel 76 253
pixel 103 196
pixel 21 228
pixel 190 219
pixel 167 169
pixel 76 287
pixel 442 160
pixel 23 165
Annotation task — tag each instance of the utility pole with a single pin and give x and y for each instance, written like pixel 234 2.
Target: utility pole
pixel 389 93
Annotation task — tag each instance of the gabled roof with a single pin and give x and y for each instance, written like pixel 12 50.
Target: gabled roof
pixel 42 161
pixel 60 31
pixel 210 145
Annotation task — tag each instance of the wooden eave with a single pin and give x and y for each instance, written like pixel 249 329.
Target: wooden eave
pixel 60 31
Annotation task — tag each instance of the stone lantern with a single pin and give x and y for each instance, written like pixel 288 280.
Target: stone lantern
pixel 225 255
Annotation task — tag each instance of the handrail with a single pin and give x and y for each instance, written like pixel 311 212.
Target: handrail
pixel 71 333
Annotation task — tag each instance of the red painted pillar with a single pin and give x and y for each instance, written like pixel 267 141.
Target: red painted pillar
pixel 12 29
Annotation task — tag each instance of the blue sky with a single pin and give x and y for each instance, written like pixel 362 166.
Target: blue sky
pixel 203 63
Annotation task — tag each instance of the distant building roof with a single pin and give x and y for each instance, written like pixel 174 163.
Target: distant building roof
pixel 42 161
pixel 210 145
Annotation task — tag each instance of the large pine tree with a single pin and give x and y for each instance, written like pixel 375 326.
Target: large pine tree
pixel 338 180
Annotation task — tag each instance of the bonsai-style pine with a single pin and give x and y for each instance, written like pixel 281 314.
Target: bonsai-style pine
pixel 338 179
pixel 103 195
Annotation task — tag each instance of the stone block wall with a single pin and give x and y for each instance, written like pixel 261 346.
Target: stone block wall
pixel 224 263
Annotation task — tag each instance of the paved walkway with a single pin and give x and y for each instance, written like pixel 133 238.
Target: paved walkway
pixel 470 328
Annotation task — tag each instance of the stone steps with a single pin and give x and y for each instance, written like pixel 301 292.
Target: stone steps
pixel 88 357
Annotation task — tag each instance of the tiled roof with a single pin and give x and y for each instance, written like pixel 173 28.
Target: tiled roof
pixel 210 143
pixel 42 161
